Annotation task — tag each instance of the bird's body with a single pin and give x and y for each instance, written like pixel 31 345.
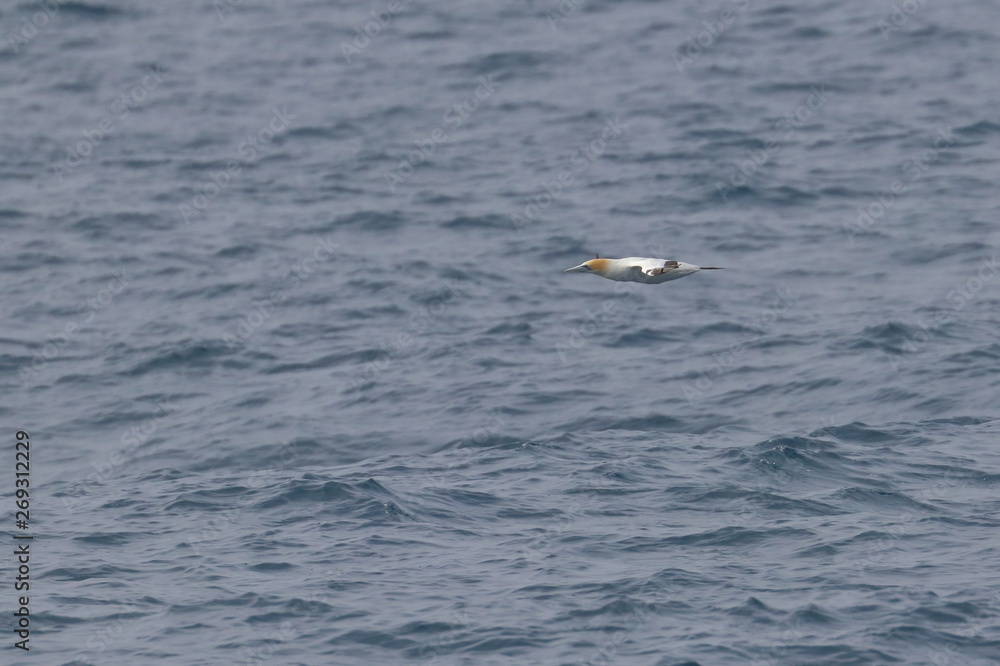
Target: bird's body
pixel 639 269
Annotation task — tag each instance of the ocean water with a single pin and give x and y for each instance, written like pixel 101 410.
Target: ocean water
pixel 305 384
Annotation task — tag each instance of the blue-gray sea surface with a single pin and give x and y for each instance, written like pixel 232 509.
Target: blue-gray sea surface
pixel 285 319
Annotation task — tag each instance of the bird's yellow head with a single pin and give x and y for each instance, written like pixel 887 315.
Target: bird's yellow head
pixel 597 265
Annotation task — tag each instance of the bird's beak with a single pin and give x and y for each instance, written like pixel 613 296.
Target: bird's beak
pixel 582 268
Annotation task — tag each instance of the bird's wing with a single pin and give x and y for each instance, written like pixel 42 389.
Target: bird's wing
pixel 635 273
pixel 658 267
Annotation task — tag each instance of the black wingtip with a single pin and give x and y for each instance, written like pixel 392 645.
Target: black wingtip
pixel 711 268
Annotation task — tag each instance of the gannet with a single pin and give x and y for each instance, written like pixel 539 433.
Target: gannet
pixel 639 269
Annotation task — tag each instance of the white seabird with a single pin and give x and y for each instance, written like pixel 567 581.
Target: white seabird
pixel 639 269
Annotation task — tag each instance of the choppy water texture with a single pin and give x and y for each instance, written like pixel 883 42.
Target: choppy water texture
pixel 286 322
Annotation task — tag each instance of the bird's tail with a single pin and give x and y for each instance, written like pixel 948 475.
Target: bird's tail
pixel 710 268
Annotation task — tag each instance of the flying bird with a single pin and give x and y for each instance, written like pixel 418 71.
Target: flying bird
pixel 639 269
